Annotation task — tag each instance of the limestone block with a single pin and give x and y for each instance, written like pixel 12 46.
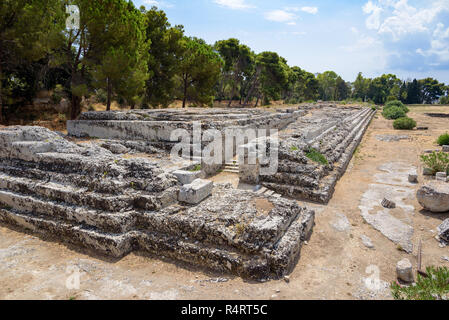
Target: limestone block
pixel 441 176
pixel 186 177
pixel 404 271
pixel 196 192
pixel 434 197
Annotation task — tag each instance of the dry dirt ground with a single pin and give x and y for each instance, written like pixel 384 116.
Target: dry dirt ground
pixel 334 265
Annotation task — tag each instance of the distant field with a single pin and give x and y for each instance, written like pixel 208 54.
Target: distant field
pixel 428 108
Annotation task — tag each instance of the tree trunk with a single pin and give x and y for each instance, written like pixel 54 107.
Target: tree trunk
pixel 257 101
pixel 108 107
pixel 75 108
pixel 1 101
pixel 185 92
pixel 256 78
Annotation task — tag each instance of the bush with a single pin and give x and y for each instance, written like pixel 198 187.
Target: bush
pixel 397 103
pixel 393 113
pixel 443 140
pixel 436 161
pixel 433 287
pixel 404 124
pixel 316 156
pixel 58 94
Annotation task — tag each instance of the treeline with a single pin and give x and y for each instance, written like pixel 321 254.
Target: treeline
pixel 135 56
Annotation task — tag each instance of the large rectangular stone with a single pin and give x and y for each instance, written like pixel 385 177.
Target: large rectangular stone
pixel 187 177
pixel 195 192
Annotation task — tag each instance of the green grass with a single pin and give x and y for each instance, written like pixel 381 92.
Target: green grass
pixel 316 156
pixel 196 168
pixel 294 148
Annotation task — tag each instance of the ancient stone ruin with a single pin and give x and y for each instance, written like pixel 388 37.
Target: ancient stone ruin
pixel 111 187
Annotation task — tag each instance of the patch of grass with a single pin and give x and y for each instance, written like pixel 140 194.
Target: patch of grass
pixel 433 287
pixel 436 161
pixel 294 148
pixel 316 156
pixel 196 168
pixel 404 124
pixel 443 140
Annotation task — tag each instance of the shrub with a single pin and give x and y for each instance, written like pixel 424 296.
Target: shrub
pixel 404 124
pixel 443 140
pixel 316 156
pixel 433 287
pixel 397 103
pixel 436 161
pixel 393 113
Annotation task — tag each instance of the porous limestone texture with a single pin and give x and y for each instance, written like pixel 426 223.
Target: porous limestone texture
pixel 434 197
pixel 93 198
pixel 335 133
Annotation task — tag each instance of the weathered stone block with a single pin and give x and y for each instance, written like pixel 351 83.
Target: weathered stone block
pixel 195 192
pixel 441 176
pixel 443 231
pixel 404 270
pixel 445 148
pixel 186 177
pixel 434 197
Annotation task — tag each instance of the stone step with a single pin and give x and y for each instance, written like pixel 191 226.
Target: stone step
pixel 231 171
pixel 221 259
pixel 106 221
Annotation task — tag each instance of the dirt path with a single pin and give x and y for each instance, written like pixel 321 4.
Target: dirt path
pixel 333 265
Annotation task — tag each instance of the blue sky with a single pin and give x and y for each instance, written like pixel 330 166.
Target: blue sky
pixel 407 37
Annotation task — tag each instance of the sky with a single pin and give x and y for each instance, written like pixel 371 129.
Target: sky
pixel 409 38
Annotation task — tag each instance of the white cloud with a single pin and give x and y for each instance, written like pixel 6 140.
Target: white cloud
pixel 234 4
pixel 311 10
pixel 373 21
pixel 399 18
pixel 281 16
pixel 439 45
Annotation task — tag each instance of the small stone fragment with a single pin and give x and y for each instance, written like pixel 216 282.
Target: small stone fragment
pixel 446 148
pixel 427 172
pixel 388 204
pixel 367 242
pixel 413 178
pixel 404 270
pixel 287 279
pixel 443 231
pixel 441 176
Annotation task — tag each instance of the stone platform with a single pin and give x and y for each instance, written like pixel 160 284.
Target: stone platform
pixel 89 196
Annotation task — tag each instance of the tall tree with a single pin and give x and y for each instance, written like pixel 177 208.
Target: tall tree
pixel 328 85
pixel 414 95
pixel 199 69
pixel 123 60
pixel 163 63
pixel 432 90
pixel 361 86
pixel 238 60
pixel 28 30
